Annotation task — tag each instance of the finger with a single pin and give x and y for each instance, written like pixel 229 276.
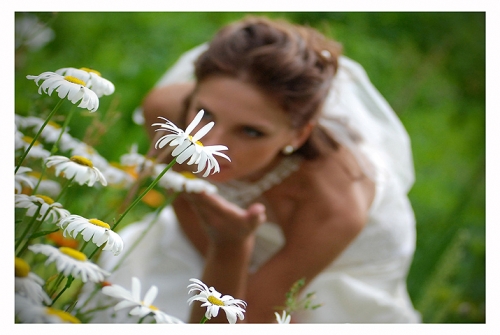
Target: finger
pixel 257 213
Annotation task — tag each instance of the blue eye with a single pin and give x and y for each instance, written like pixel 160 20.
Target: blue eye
pixel 207 115
pixel 251 132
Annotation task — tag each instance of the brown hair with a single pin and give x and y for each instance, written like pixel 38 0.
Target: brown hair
pixel 292 64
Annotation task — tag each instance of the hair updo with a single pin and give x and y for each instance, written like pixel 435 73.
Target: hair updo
pixel 294 65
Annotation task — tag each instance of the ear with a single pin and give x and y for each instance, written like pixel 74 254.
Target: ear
pixel 303 134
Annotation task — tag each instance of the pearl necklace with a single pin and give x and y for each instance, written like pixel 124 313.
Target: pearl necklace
pixel 243 193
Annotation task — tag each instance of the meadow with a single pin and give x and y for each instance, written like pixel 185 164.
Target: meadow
pixel 429 66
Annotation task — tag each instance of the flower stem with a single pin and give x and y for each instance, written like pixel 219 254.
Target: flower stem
pixel 64 189
pixel 68 284
pixel 136 201
pixel 93 252
pixel 89 298
pixel 204 319
pixel 37 226
pixel 84 245
pixel 56 284
pixel 54 149
pixel 38 134
pixel 44 169
pixel 63 128
pixel 28 228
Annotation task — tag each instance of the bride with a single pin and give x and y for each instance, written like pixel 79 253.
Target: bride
pixel 316 187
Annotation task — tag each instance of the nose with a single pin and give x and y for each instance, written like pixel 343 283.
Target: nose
pixel 215 136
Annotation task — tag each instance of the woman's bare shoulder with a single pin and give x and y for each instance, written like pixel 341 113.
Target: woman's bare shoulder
pixel 332 187
pixel 321 208
pixel 333 173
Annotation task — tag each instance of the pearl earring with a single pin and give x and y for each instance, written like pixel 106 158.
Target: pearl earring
pixel 288 150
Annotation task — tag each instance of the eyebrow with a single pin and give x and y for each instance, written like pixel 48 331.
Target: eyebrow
pixel 258 126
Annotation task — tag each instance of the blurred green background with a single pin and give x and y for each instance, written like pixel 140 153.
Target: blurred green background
pixel 429 66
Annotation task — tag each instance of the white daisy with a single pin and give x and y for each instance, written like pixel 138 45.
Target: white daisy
pixel 18 121
pixel 28 121
pixel 36 151
pixel 22 179
pixel 51 210
pixel 29 284
pixel 132 298
pixel 97 230
pixel 28 312
pixel 68 142
pixel 18 140
pixel 115 176
pixel 214 301
pixel 71 262
pixel 81 168
pixel 84 150
pixel 52 132
pixel 188 146
pixel 31 32
pixel 183 181
pixel 93 79
pixel 71 87
pixel 285 318
pixel 46 186
pixel 136 160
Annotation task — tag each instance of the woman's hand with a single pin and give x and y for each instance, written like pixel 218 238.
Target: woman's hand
pixel 224 221
pixel 228 243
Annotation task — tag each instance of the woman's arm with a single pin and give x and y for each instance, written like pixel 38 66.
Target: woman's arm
pixel 320 227
pixel 226 241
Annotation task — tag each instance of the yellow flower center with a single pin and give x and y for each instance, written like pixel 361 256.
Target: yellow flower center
pixel 89 150
pixel 197 142
pixel 188 175
pixel 22 268
pixel 29 139
pixel 35 174
pixel 131 170
pixel 82 161
pixel 215 301
pixel 53 124
pixel 46 199
pixel 91 71
pixel 99 223
pixel 74 80
pixel 154 308
pixel 65 316
pixel 80 256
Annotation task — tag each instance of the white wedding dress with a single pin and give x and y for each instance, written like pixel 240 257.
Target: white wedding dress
pixel 366 283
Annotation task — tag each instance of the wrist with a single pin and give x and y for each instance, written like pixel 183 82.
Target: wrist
pixel 232 248
pixel 232 256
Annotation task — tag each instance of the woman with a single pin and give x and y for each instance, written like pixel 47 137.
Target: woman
pixel 316 187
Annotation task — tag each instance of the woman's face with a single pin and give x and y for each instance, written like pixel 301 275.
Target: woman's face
pixel 253 127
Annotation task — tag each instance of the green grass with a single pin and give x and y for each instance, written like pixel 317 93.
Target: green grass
pixel 429 66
